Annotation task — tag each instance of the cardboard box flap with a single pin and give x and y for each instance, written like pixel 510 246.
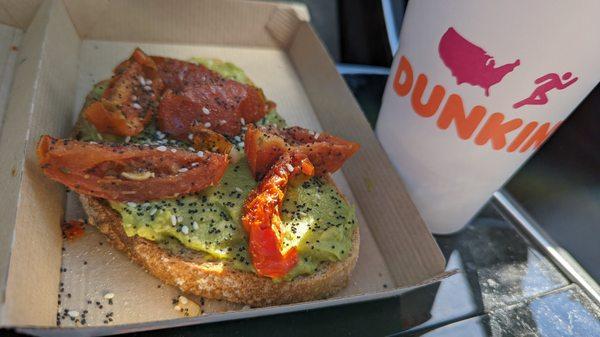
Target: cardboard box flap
pixel 18 13
pixel 5 18
pixel 238 23
pixel 283 25
pixel 408 247
pixel 32 202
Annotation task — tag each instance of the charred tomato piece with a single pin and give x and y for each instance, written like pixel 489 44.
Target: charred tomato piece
pixel 200 95
pixel 264 145
pixel 130 100
pixel 261 216
pixel 128 173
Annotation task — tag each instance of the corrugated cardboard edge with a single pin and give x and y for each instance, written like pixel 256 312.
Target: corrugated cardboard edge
pixel 25 238
pixel 222 317
pixel 408 247
pixel 226 316
pixel 283 25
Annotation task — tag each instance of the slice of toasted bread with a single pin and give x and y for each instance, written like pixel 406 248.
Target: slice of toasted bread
pixel 193 273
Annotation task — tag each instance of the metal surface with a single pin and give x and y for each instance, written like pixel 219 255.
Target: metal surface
pixel 353 69
pixel 508 207
pixel 393 12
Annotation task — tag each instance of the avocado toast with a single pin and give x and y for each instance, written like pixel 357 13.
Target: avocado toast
pixel 198 240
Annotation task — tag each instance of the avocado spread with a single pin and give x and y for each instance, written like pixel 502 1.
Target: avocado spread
pixel 318 221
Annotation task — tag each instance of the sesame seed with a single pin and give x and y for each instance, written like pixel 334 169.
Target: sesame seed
pixel 190 136
pixel 73 313
pixel 182 170
pixel 185 229
pixel 173 150
pixel 179 219
pixel 237 138
pixel 183 300
pixel 289 167
pixel 131 204
pixel 200 154
pixel 134 97
pixel 147 88
pixel 243 121
pixel 238 189
pixel 153 211
pixel 316 135
pixel 136 106
pixel 191 149
pixel 194 164
pixel 207 125
pixel 173 220
pixel 142 81
pixel 222 121
pixel 177 308
pixel 109 296
pixel 149 82
pixel 162 148
pixel 195 225
pixel 127 139
pixel 205 110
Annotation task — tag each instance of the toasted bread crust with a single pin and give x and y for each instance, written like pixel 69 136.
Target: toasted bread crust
pixel 191 273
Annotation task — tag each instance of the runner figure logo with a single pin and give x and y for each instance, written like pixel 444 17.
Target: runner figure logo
pixel 546 83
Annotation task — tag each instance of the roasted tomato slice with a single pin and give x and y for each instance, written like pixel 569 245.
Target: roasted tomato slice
pixel 128 173
pixel 177 74
pixel 199 94
pixel 262 219
pixel 242 100
pixel 204 139
pixel 264 145
pixel 177 114
pixel 131 98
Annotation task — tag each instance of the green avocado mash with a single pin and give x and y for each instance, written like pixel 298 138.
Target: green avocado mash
pixel 317 219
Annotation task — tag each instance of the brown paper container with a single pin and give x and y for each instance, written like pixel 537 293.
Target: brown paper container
pixel 70 44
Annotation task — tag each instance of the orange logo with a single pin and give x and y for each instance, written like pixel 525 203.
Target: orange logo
pixel 494 127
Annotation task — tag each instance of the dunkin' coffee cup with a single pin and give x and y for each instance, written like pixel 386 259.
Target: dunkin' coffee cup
pixel 475 89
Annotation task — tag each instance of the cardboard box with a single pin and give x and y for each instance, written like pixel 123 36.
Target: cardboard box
pixel 68 45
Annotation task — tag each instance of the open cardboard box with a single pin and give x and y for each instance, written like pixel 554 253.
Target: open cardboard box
pixel 68 45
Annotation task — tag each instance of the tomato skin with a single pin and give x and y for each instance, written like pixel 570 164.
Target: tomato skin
pixel 199 94
pixel 262 219
pixel 177 74
pixel 112 121
pixel 264 145
pixel 242 100
pixel 109 172
pixel 177 115
pixel 262 150
pixel 204 139
pixel 128 104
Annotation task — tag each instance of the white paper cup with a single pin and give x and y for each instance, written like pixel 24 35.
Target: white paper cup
pixel 475 88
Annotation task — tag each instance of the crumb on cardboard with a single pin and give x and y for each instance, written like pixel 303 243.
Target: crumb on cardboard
pixel 186 306
pixel 73 229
